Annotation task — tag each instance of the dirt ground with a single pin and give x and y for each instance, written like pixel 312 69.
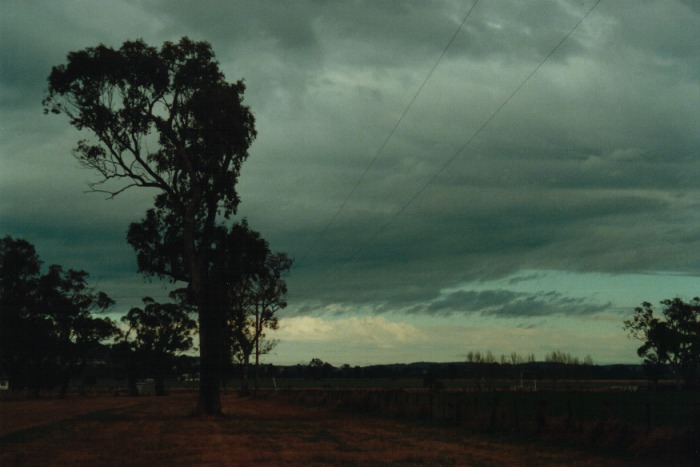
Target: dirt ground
pixel 23 414
pixel 158 431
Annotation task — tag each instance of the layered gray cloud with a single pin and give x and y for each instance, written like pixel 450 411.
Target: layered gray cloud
pixel 506 303
pixel 592 166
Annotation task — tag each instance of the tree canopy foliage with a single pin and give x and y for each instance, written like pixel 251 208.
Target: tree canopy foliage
pixel 47 322
pixel 670 339
pixel 164 119
pixel 254 295
pixel 177 94
pixel 156 333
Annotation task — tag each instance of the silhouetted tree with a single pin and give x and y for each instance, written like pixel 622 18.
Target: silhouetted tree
pixel 24 334
pixel 164 119
pixel 156 333
pixel 252 291
pixel 68 303
pixel 240 254
pixel 256 299
pixel 346 370
pixel 47 327
pixel 673 338
pixel 316 367
pixel 126 363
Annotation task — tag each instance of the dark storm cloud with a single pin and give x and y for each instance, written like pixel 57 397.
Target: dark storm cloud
pixel 290 27
pixel 37 35
pixel 24 55
pixel 591 166
pixel 469 236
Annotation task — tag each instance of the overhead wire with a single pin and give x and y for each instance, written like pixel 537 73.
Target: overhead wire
pixel 480 129
pixel 388 138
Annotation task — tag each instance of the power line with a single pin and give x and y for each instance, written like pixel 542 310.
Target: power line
pixel 389 136
pixel 481 128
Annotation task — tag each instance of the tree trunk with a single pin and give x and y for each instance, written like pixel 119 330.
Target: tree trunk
pixel 131 384
pixel 245 386
pixel 160 386
pixel 160 364
pixel 209 401
pixel 210 326
pixel 257 361
pixel 68 372
pixel 64 386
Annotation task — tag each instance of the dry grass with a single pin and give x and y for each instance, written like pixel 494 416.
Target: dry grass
pixel 157 431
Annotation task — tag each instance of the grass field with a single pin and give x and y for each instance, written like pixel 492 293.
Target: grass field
pixel 270 430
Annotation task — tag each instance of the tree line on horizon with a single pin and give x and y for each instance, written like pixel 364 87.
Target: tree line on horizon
pixel 53 324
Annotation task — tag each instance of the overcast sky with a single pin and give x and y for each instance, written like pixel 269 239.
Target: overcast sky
pixel 507 211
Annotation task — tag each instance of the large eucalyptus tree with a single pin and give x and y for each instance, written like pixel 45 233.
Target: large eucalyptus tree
pixel 164 119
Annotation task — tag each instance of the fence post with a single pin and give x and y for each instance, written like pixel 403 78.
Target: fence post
pixel 431 396
pixel 605 410
pixel 542 416
pixel 459 404
pixel 494 412
pixel 444 415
